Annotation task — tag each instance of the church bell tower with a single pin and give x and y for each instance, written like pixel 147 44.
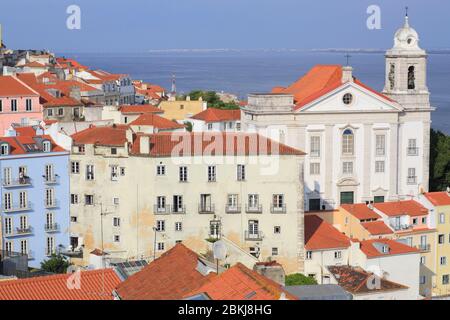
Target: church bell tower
pixel 406 70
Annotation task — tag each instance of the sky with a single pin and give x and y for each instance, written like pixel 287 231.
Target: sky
pixel 143 25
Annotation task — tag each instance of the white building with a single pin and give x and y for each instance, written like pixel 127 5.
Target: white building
pixel 213 119
pixel 362 145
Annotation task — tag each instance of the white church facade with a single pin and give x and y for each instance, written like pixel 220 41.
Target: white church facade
pixel 361 145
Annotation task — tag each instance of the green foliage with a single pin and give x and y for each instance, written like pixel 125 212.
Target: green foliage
pixel 298 279
pixel 188 126
pixel 439 161
pixel 55 264
pixel 212 98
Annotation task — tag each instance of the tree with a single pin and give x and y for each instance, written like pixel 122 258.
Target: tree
pixel 298 279
pixel 55 264
pixel 439 161
pixel 212 99
pixel 188 126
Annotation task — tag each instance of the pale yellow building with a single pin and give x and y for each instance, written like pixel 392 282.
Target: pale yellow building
pixel 181 109
pixel 125 186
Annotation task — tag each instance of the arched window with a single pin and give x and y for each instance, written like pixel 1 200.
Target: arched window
pixel 411 78
pixel 46 146
pixel 348 142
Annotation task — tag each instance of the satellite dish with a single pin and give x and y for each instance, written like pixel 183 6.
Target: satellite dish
pixel 219 250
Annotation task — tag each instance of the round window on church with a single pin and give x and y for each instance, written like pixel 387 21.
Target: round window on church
pixel 347 98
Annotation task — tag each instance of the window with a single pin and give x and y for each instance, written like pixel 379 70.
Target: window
pixel 89 199
pixel 116 201
pixel 8 226
pixel 379 166
pixel 160 246
pixel 308 255
pixel 424 220
pixel 178 204
pixel 253 228
pixel 178 226
pixel 253 201
pixel 445 279
pixel 315 146
pixel 277 229
pixel 50 112
pixel 75 167
pixel 122 171
pixel 50 248
pixel 241 172
pixel 13 105
pixel 211 173
pixel 73 219
pixel 214 229
pixel 380 143
pixel 347 98
pixel 338 254
pixel 274 251
pixel 28 106
pixel 60 111
pixel 113 150
pixel 347 197
pixel 49 174
pixel 7 203
pixel 422 260
pixel 183 174
pixel 238 126
pixel 116 222
pixel 347 167
pixel 412 147
pixel 116 238
pixel 210 126
pixel 160 225
pixel 160 204
pixel 314 168
pixel 378 199
pixel 4 149
pixel 24 246
pixel 414 221
pixel 50 197
pixel 73 198
pixel 114 173
pixel 443 261
pixel 314 204
pixel 423 279
pixel 23 203
pixel 441 239
pixel 411 78
pixel 49 219
pixel 232 202
pixel 160 170
pixel 441 218
pixel 347 142
pixel 1 105
pixel 411 176
pixel 278 201
pixel 81 148
pixel 9 246
pixel 90 172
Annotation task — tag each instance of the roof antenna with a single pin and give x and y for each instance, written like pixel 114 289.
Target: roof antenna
pixel 347 56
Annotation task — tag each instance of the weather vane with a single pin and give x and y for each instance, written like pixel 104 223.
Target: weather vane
pixel 406 10
pixel 347 56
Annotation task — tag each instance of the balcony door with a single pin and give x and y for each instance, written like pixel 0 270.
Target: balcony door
pixel 205 201
pixel 253 227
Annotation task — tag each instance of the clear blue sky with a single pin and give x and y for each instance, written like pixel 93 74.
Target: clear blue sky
pixel 140 25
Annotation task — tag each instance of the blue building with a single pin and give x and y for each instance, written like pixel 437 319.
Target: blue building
pixel 34 194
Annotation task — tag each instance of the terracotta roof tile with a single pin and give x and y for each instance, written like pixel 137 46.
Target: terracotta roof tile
pixel 170 277
pixel 355 279
pixel 218 115
pixel 165 144
pixel 94 285
pixel 360 211
pixel 139 109
pixel 150 119
pixel 18 144
pixel 241 283
pixel 320 235
pixel 105 136
pixel 438 198
pixel 395 248
pixel 377 228
pixel 12 86
pixel 403 207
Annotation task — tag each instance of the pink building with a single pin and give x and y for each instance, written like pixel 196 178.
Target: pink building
pixel 18 103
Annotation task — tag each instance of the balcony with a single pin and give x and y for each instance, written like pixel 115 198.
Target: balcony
pixel 278 209
pixel 51 227
pixel 178 209
pixel 73 253
pixel 50 180
pixel 253 236
pixel 412 180
pixel 233 208
pixel 51 203
pixel 161 210
pixel 423 247
pixel 412 151
pixel 254 208
pixel 24 231
pixel 16 183
pixel 18 207
pixel 206 208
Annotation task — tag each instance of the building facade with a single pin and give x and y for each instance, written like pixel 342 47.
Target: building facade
pixel 361 145
pixel 133 198
pixel 34 194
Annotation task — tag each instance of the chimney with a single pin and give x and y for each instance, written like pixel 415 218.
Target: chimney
pixel 347 74
pixel 271 270
pixel 75 93
pixel 144 145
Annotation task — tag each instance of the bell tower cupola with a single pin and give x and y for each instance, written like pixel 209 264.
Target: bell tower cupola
pixel 406 70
